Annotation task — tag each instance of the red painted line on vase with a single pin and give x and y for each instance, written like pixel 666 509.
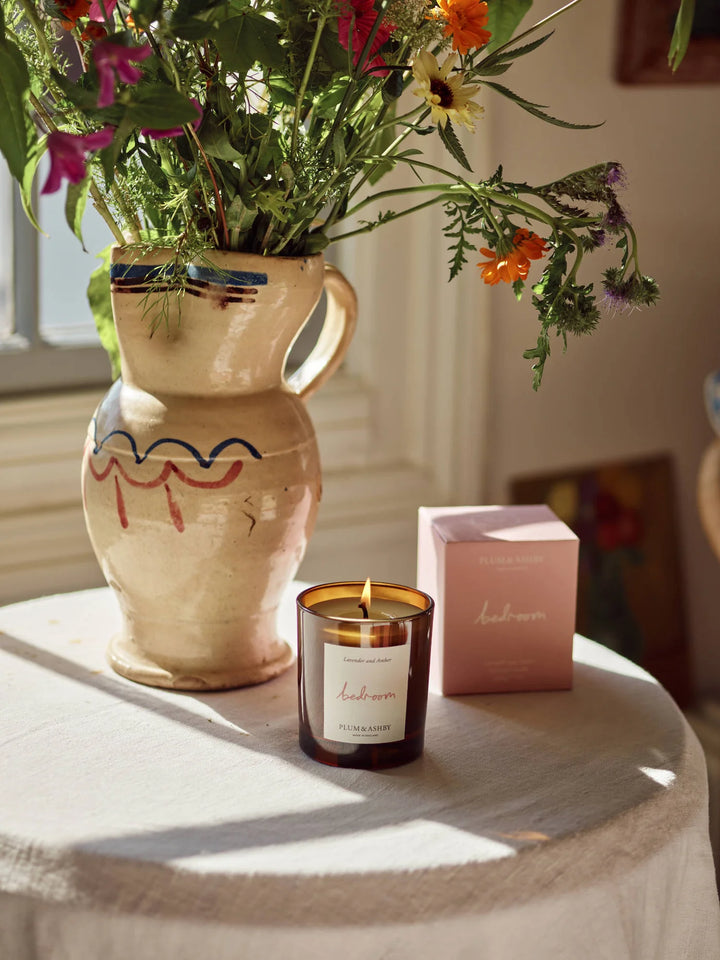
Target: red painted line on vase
pixel 122 513
pixel 175 514
pixel 168 468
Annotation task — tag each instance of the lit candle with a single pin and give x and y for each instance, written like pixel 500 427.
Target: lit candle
pixel 363 607
pixel 363 660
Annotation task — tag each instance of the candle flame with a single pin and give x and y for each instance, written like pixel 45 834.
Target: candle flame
pixel 366 595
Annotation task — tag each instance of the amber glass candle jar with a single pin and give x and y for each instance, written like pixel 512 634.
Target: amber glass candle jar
pixel 363 673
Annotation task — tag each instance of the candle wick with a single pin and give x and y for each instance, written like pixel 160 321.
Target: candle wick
pixel 363 607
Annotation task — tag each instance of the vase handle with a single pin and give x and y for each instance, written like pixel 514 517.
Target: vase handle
pixel 335 336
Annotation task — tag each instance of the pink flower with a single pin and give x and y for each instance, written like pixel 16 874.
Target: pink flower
pixel 173 131
pixel 361 15
pixel 102 10
pixel 68 154
pixel 112 58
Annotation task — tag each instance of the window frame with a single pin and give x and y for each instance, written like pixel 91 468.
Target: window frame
pixel 30 363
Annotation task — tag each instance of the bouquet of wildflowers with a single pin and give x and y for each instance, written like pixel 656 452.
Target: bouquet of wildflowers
pixel 262 125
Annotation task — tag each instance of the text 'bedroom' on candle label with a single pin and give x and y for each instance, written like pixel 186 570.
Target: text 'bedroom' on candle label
pixel 365 696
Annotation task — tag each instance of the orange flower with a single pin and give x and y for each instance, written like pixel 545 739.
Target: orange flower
pixel 71 11
pixel 514 264
pixel 464 22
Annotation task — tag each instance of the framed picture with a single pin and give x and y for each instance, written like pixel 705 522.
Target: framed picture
pixel 630 585
pixel 645 31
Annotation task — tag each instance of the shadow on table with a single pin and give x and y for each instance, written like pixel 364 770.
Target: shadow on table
pixel 522 769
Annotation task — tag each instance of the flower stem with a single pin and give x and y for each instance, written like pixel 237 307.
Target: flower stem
pixel 129 215
pixel 389 217
pixel 102 209
pixel 354 77
pixel 322 20
pixel 30 13
pixel 536 26
pixel 220 209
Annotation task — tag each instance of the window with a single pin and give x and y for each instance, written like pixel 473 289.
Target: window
pixel 47 336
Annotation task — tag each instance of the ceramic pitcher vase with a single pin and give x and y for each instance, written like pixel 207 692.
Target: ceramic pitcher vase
pixel 201 476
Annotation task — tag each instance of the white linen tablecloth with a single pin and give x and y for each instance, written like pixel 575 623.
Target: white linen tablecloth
pixel 140 824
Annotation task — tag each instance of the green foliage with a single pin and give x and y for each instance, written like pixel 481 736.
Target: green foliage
pixel 537 109
pixel 252 125
pixel 98 294
pixel 681 33
pixel 17 133
pixel 462 217
pixel 75 200
pixel 453 145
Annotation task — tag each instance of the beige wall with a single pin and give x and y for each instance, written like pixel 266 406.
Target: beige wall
pixel 635 386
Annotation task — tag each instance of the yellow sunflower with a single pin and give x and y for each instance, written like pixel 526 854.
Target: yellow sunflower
pixel 446 96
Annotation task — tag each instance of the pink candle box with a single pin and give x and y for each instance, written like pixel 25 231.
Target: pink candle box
pixel 504 580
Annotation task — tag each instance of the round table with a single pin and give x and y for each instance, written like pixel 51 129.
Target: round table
pixel 141 824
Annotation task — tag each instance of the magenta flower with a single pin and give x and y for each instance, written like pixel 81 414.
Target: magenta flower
pixel 111 59
pixel 361 16
pixel 102 10
pixel 68 154
pixel 173 131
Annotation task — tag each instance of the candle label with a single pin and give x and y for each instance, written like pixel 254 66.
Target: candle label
pixel 365 693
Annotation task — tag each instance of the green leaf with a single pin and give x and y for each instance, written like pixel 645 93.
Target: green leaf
pixel 283 92
pixel 539 354
pixel 98 294
pixel 681 33
pixel 145 11
pixel 81 94
pixel 154 171
pixel 265 37
pixel 512 54
pixel 235 46
pixel 537 109
pixel 327 102
pixel 449 138
pixel 243 40
pixel 75 200
pixel 338 148
pixel 26 183
pixel 503 19
pixel 239 216
pixel 461 227
pixel 160 107
pixel 380 169
pixel 193 29
pixel 316 242
pixel 194 19
pixel 500 62
pixel 17 134
pixel 216 142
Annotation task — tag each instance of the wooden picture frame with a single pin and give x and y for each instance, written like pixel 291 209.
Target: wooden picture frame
pixel 630 585
pixel 645 31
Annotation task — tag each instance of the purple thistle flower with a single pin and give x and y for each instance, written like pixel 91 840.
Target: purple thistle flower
pixel 615 218
pixel 617 298
pixel 111 59
pixel 615 174
pixel 68 154
pixel 173 131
